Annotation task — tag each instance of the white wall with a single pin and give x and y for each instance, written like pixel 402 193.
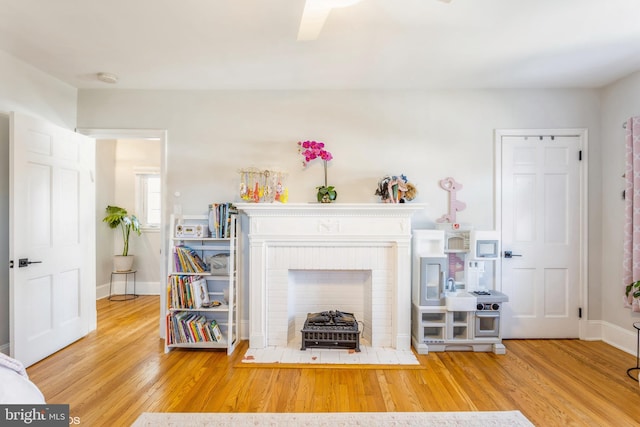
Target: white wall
pixel 27 90
pixel 105 195
pixel 131 155
pixel 427 135
pixel 620 101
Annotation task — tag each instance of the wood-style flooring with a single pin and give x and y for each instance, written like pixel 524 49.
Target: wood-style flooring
pixel 120 370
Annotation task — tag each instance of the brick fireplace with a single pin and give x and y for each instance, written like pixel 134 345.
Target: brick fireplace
pixel 370 242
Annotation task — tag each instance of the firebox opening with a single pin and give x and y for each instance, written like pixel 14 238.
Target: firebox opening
pixel 313 291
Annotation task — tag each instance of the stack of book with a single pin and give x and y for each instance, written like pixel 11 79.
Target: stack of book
pixel 220 219
pixel 187 260
pixel 188 327
pixel 187 292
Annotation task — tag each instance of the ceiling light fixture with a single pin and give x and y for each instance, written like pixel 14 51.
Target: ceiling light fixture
pixel 315 14
pixel 108 78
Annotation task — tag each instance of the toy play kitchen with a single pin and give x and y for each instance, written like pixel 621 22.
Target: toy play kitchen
pixel 454 302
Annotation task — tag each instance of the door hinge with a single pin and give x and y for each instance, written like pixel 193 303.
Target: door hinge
pixel 580 312
pixel 580 155
pixel 10 263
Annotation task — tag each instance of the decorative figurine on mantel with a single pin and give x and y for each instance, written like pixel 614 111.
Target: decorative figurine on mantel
pixel 396 189
pixel 452 186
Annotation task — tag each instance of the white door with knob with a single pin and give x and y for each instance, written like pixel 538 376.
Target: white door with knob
pixel 51 238
pixel 542 221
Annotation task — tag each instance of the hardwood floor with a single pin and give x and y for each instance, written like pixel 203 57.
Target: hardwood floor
pixel 119 371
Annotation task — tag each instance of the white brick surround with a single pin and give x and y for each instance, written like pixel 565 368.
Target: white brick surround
pixel 372 241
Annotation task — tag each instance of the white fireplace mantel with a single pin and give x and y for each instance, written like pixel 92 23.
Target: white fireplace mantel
pixel 337 236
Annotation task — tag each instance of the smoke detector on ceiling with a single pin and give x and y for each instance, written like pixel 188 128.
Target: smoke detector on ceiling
pixel 108 78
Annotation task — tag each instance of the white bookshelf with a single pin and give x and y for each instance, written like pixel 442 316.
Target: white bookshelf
pixel 221 286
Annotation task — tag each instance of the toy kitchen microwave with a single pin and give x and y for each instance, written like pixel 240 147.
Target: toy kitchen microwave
pixel 455 305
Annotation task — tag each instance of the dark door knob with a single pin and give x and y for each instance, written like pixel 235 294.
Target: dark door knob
pixel 24 262
pixel 509 254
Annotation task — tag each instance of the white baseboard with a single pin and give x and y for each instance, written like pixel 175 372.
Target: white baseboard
pixel 142 288
pixel 614 335
pixel 591 330
pixel 621 338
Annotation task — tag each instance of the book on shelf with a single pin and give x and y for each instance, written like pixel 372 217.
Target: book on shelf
pixel 215 330
pixel 170 336
pixel 188 327
pixel 188 292
pixel 200 293
pixel 187 260
pixel 220 219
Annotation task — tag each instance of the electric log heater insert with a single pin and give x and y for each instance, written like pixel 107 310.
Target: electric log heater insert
pixel 331 329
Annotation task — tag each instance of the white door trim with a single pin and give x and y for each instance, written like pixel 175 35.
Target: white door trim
pixel 162 135
pixel 584 203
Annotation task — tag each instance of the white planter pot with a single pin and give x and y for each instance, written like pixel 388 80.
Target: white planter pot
pixel 122 262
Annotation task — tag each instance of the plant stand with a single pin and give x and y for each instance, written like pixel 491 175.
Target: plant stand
pixel 637 367
pixel 126 296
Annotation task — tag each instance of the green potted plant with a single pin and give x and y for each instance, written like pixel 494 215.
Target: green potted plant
pixel 326 194
pixel 633 291
pixel 119 217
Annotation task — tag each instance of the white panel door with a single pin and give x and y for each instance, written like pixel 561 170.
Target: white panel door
pixel 52 230
pixel 541 223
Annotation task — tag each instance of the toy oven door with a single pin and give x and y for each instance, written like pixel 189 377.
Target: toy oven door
pixel 487 324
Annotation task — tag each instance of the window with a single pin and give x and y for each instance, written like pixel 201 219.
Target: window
pixel 149 199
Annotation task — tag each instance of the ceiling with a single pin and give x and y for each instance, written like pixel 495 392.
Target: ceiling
pixel 374 44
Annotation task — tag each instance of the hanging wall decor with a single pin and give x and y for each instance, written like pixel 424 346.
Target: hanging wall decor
pixel 264 186
pixel 452 186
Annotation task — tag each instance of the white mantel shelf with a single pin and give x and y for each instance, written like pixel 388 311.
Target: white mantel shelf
pixel 372 237
pixel 340 221
pixel 330 209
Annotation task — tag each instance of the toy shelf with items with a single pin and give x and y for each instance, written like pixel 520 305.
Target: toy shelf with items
pixel 202 284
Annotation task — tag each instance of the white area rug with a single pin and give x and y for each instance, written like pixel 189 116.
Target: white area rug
pixel 367 355
pixel 367 419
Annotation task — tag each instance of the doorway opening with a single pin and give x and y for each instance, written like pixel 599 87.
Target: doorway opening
pixel 128 176
pixel 128 162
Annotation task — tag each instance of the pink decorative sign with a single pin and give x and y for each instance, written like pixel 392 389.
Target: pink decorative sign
pixel 452 186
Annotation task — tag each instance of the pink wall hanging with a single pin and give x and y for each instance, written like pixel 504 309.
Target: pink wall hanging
pixel 452 186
